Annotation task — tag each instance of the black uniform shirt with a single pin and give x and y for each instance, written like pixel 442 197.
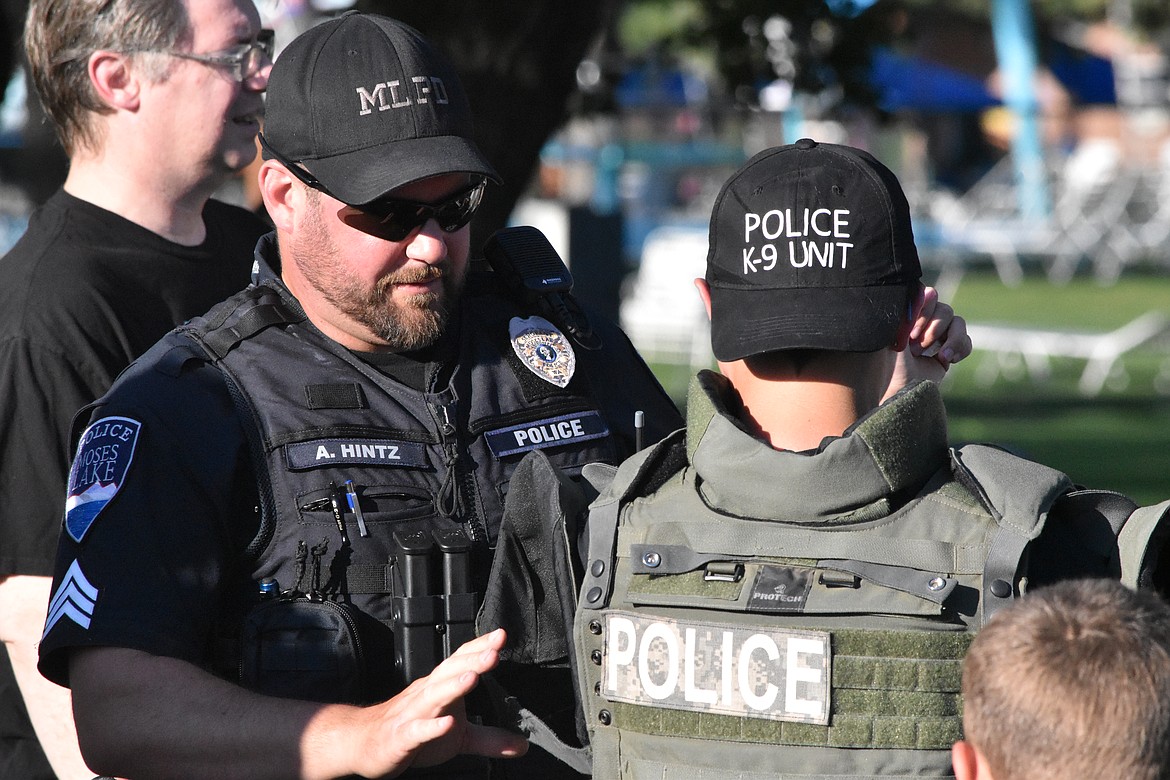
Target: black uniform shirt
pixel 164 504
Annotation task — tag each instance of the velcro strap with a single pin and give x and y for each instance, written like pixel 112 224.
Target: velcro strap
pixel 222 340
pixel 765 539
pixel 368 578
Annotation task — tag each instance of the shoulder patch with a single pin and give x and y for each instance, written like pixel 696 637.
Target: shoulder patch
pixel 99 471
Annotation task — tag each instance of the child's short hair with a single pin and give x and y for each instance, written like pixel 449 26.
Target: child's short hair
pixel 1073 681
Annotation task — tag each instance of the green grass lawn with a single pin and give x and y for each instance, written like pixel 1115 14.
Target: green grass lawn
pixel 1118 440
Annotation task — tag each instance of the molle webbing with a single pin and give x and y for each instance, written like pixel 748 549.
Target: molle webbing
pixel 891 689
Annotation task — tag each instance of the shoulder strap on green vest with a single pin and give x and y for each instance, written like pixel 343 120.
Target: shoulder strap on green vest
pixel 640 474
pixel 1018 493
pixel 1140 542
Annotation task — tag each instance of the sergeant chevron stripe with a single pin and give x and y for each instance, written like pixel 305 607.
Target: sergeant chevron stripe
pixel 75 599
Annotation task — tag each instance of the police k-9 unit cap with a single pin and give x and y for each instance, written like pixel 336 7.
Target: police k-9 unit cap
pixel 367 105
pixel 810 247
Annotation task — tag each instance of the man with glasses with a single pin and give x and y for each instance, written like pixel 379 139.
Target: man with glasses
pixel 280 519
pixel 157 103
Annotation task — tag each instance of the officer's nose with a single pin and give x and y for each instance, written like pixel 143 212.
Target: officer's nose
pixel 428 244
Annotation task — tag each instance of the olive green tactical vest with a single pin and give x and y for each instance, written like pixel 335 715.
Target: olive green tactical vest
pixel 714 646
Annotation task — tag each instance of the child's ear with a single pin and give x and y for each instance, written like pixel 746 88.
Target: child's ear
pixel 968 762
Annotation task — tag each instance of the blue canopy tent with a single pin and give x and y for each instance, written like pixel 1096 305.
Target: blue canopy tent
pixel 911 83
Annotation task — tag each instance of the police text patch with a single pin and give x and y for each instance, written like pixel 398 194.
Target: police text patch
pixel 745 671
pixel 99 471
pixel 320 453
pixel 550 432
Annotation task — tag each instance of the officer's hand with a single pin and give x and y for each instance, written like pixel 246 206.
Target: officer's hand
pixel 426 724
pixel 937 332
pixel 937 338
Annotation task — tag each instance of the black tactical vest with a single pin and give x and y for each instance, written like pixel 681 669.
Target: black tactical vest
pixel 429 471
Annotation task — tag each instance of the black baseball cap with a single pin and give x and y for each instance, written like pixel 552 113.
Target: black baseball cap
pixel 811 247
pixel 367 105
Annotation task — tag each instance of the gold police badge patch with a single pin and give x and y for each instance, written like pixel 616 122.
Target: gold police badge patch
pixel 543 349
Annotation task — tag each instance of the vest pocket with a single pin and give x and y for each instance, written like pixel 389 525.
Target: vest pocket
pixel 379 503
pixel 305 649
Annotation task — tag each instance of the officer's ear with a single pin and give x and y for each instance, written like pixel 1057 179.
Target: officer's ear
pixel 704 293
pixel 282 196
pixel 913 312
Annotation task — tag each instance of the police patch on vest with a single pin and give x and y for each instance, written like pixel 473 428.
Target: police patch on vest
pixel 780 589
pixel 99 471
pixel 550 432
pixel 320 453
pixel 543 349
pixel 744 671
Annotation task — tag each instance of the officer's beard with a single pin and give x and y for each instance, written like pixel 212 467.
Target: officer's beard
pixel 417 321
pixel 404 325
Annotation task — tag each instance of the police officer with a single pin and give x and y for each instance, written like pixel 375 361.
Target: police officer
pixel 789 584
pixel 285 497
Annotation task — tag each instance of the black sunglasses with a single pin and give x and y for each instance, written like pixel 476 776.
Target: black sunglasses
pixel 395 218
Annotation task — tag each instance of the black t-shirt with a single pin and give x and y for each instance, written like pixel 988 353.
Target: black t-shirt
pixel 85 292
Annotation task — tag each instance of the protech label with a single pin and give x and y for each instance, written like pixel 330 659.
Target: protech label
pixel 780 589
pixel 752 672
pixel 319 453
pixel 550 432
pixel 802 238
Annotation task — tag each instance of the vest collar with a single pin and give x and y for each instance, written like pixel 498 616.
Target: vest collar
pixel 891 452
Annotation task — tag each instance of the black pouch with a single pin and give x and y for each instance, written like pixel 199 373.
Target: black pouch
pixel 304 648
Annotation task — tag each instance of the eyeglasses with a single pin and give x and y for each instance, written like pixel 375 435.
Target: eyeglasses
pixel 394 218
pixel 243 61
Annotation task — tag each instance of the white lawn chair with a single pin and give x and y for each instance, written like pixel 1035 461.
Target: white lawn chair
pixel 1032 348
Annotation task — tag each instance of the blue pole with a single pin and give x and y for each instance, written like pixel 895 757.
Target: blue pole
pixel 1011 24
pixel 792 121
pixel 608 169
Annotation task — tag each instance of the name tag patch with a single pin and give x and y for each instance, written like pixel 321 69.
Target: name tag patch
pixel 744 671
pixel 550 432
pixel 319 453
pixel 99 471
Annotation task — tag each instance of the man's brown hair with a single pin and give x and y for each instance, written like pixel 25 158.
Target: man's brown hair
pixel 60 36
pixel 1072 682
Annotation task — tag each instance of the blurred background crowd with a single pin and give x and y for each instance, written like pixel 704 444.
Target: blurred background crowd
pixel 1031 139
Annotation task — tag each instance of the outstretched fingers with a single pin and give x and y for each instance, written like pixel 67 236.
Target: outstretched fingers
pixel 427 724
